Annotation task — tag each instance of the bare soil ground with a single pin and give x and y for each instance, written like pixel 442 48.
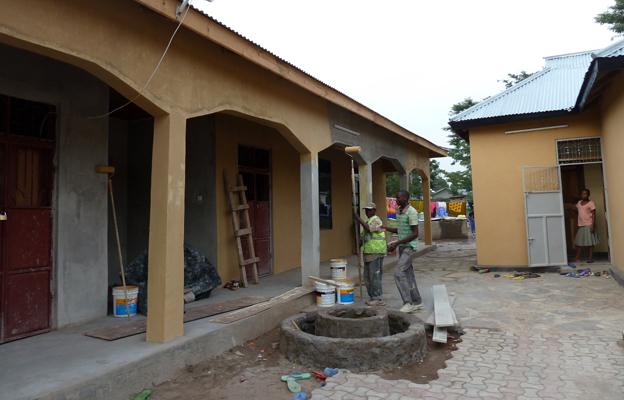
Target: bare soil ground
pixel 253 371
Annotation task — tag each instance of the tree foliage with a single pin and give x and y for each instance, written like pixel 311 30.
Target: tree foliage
pixel 392 184
pixel 513 79
pixel 460 182
pixel 614 17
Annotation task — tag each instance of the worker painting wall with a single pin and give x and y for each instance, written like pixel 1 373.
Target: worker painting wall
pixel 497 161
pixel 231 132
pixel 612 145
pixel 338 241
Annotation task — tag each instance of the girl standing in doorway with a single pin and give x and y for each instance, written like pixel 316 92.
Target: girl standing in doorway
pixel 586 234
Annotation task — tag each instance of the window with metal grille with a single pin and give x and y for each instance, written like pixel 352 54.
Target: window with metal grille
pixel 577 151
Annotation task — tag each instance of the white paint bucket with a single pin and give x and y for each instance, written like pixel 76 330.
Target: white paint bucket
pixel 345 293
pixel 119 301
pixel 325 294
pixel 338 268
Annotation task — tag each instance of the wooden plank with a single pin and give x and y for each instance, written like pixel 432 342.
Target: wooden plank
pixel 242 207
pixel 208 310
pixel 430 320
pixel 258 308
pixel 125 328
pixel 238 188
pixel 440 335
pixel 441 307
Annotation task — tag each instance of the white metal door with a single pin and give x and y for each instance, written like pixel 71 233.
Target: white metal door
pixel 544 217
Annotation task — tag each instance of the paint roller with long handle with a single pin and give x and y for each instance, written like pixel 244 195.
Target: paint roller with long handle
pixel 110 171
pixel 349 150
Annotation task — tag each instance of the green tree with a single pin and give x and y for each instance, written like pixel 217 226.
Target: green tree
pixel 392 184
pixel 614 17
pixel 437 179
pixel 512 79
pixel 460 182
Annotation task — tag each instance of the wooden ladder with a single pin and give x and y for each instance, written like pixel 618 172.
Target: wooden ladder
pixel 242 227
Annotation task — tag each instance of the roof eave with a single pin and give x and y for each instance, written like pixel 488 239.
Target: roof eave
pixel 462 128
pixel 211 29
pixel 598 67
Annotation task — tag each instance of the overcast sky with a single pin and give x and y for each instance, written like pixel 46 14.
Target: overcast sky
pixel 410 60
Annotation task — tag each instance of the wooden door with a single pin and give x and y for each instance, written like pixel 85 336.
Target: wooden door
pixel 254 166
pixel 26 176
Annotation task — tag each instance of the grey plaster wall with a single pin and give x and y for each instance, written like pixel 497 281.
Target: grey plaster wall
pixel 118 157
pixel 140 140
pixel 200 216
pixel 376 142
pixel 80 204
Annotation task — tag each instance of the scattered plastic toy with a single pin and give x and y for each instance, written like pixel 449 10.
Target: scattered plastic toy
pixel 300 396
pixel 297 376
pixel 329 372
pixel 144 395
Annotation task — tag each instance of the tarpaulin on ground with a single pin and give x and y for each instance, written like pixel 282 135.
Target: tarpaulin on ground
pixel 200 276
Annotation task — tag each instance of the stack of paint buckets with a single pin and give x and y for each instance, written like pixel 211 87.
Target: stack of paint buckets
pixel 328 295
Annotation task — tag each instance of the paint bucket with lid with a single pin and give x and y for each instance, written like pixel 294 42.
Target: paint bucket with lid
pixel 325 294
pixel 345 293
pixel 338 268
pixel 120 308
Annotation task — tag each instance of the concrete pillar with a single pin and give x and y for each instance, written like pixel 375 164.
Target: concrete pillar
pixel 427 208
pixel 310 231
pixel 165 286
pixel 366 184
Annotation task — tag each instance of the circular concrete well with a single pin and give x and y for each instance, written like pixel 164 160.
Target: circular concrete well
pixel 331 338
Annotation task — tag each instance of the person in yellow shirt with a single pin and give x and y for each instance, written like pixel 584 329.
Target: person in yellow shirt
pixel 374 250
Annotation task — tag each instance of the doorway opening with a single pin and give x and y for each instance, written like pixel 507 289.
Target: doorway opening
pixel 254 164
pixel 580 162
pixel 27 144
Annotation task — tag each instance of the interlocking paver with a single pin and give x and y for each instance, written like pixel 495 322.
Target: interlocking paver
pixel 538 358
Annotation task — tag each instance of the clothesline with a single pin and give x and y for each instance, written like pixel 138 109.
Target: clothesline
pixel 438 209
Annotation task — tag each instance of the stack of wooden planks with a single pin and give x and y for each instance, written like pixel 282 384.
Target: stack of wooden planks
pixel 443 315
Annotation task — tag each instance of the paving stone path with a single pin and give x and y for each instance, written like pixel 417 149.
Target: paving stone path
pixel 494 365
pixel 530 360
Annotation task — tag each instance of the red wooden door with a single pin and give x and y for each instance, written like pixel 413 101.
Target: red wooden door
pixel 259 200
pixel 26 176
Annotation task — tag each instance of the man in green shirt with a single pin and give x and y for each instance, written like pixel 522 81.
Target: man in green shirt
pixel 374 250
pixel 407 230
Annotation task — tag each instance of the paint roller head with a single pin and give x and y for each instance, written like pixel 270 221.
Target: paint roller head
pixel 352 149
pixel 105 169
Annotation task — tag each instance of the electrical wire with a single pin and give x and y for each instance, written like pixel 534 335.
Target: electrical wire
pixel 149 80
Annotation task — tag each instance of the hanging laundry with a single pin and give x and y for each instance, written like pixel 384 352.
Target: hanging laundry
pixel 441 209
pixel 419 205
pixel 391 206
pixel 456 208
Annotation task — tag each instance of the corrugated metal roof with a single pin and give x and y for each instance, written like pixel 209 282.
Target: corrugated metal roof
pixel 555 88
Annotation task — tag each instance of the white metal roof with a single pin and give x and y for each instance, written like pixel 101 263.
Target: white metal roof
pixel 554 88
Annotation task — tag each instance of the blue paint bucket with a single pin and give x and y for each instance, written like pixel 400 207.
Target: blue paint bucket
pixel 345 294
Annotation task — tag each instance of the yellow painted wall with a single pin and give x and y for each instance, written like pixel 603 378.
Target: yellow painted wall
pixel 594 182
pixel 338 241
pixel 231 132
pixel 613 143
pixel 497 161
pixel 120 42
